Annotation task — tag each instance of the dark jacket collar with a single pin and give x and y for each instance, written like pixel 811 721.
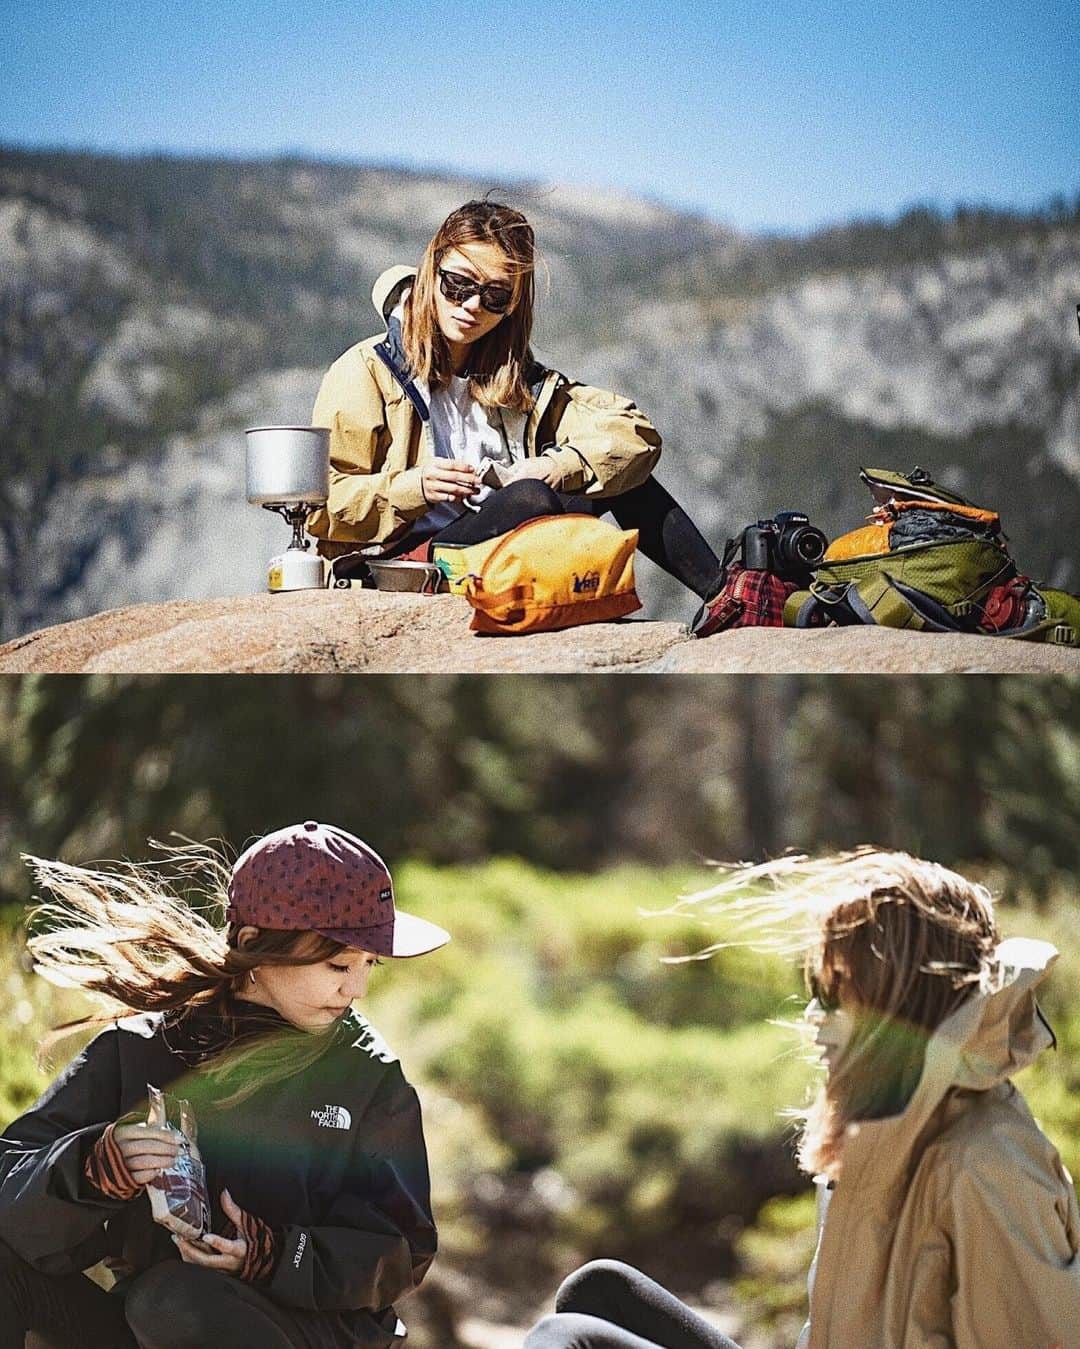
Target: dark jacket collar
pixel 391 351
pixel 200 1033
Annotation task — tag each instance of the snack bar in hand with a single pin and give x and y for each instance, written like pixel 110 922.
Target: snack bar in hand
pixel 178 1197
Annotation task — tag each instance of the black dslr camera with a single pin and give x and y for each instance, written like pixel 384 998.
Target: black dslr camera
pixel 788 545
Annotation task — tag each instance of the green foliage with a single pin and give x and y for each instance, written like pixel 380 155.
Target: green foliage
pixel 29 1009
pixel 1052 1085
pixel 569 774
pixel 959 770
pixel 774 1255
pixel 919 235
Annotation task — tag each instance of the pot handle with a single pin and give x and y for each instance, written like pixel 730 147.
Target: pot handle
pixel 433 574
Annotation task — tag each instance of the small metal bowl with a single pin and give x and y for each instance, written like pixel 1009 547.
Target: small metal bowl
pixel 422 578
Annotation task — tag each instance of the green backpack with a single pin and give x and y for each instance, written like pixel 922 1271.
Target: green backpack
pixel 931 561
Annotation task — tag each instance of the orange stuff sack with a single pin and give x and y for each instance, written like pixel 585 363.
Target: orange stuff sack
pixel 554 572
pixel 868 541
pixel 876 539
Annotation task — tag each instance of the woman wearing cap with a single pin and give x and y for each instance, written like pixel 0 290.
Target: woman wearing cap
pixel 446 429
pixel 316 1166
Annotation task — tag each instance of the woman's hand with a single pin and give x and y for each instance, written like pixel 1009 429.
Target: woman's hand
pixel 228 1255
pixel 127 1157
pixel 147 1149
pixel 540 468
pixel 448 480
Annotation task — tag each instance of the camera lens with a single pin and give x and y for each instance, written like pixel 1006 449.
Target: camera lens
pixel 804 546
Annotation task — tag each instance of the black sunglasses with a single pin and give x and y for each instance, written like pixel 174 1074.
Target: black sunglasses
pixel 457 288
pixel 825 998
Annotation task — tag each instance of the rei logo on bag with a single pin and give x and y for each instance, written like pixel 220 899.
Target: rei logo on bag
pixel 588 584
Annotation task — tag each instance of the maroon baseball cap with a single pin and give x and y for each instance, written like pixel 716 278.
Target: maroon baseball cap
pixel 315 877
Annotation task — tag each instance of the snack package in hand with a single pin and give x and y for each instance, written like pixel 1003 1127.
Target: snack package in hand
pixel 493 474
pixel 178 1196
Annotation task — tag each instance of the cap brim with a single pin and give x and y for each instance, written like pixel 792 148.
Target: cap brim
pixel 406 936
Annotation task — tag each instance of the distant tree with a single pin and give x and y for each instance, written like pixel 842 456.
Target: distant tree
pixel 572 774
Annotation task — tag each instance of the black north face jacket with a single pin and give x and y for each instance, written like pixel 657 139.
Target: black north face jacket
pixel 334 1156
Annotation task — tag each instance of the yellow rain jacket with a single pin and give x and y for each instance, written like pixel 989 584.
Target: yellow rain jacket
pixel 955 1223
pixel 380 435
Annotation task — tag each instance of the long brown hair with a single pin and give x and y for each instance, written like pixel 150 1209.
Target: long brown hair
pixel 900 942
pixel 498 360
pixel 151 937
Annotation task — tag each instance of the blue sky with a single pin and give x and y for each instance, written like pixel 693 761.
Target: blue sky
pixel 779 115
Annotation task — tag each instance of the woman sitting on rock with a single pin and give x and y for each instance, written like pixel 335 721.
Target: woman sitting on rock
pixel 316 1171
pixel 946 1217
pixel 445 429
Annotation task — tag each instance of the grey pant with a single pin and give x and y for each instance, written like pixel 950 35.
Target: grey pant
pixel 609 1305
pixel 170 1306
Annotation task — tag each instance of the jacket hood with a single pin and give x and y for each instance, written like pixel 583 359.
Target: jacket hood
pixel 998 1031
pixel 389 288
pixel 1004 1030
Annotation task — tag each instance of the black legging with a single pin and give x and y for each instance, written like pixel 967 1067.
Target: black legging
pixel 668 536
pixel 169 1306
pixel 609 1305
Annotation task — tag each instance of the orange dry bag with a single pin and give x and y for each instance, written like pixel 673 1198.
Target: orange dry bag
pixel 554 572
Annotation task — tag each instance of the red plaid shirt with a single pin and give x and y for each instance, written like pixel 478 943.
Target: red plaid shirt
pixel 747 599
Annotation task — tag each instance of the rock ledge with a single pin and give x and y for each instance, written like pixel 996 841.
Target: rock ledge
pixel 365 631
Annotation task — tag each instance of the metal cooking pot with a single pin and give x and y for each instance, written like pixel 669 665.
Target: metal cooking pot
pixel 288 464
pixel 423 577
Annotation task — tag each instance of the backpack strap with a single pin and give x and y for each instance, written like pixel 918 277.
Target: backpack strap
pixel 800 609
pixel 807 609
pixel 880 600
pixel 936 617
pixel 871 601
pixel 831 604
pixel 876 601
pixel 730 549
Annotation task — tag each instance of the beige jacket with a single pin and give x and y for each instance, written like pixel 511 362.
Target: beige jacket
pixel 380 435
pixel 955 1223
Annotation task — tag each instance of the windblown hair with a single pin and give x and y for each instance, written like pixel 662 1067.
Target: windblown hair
pixel 131 937
pixel 899 942
pixel 498 360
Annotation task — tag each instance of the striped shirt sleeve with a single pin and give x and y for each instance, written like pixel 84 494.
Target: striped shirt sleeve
pixel 263 1247
pixel 107 1171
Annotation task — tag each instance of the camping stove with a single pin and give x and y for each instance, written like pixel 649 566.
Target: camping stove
pixel 288 472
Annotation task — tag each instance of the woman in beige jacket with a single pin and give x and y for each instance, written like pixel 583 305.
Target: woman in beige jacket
pixel 446 429
pixel 946 1217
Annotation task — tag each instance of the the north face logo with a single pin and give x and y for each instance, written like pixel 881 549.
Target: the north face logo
pixel 332 1117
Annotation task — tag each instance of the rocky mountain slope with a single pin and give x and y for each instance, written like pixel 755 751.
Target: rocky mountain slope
pixel 151 308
